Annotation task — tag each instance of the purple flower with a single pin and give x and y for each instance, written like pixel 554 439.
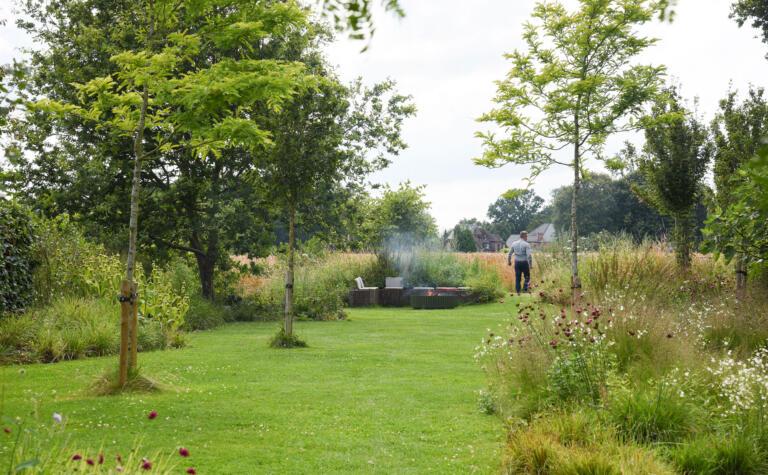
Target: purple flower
pixel 101 459
pixel 146 465
pixel 77 457
pixel 191 470
pixel 184 452
pixel 6 430
pixel 90 462
pixel 57 417
pixel 152 415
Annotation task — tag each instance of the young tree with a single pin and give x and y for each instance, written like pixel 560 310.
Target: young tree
pixel 401 214
pixel 573 87
pixel 323 137
pixel 737 130
pixel 165 102
pixel 677 153
pixel 463 240
pixel 741 229
pixel 512 212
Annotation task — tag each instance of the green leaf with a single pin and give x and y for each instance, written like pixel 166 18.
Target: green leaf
pixel 27 464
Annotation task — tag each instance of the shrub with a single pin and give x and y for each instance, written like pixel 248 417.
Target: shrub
pixel 70 265
pixel 485 283
pixel 17 262
pixel 581 373
pixel 203 314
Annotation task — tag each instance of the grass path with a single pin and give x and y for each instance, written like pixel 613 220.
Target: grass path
pixel 387 391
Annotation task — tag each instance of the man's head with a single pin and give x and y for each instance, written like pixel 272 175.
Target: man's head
pixel 524 235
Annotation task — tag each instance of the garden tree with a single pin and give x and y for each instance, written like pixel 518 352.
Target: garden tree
pixel 677 153
pixel 400 214
pixel 323 138
pixel 754 11
pixel 737 130
pixel 573 87
pixel 205 109
pixel 512 212
pixel 463 240
pixel 741 229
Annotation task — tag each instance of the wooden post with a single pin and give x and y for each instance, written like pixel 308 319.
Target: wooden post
pixel 134 324
pixel 125 331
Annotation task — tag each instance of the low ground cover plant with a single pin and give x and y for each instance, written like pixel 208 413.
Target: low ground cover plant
pixel 671 364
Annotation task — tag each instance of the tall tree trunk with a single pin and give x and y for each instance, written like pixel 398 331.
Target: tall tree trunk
pixel 129 330
pixel 682 241
pixel 575 281
pixel 138 151
pixel 740 267
pixel 289 274
pixel 206 265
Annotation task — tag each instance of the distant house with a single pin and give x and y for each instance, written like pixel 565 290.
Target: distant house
pixel 487 241
pixel 540 236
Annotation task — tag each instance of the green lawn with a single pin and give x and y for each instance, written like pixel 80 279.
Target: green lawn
pixel 387 391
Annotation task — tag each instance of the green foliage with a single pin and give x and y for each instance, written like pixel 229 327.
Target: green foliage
pixel 484 281
pixel 356 16
pixel 677 153
pixel 286 340
pixel 754 12
pixel 737 130
pixel 463 239
pixel 321 289
pixel 581 374
pixel 17 262
pixel 424 267
pixel 653 414
pixel 73 328
pixel 400 215
pixel 71 265
pixel 740 229
pixel 708 455
pixel 514 211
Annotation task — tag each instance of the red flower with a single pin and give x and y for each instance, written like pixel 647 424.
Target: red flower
pixel 77 457
pixel 184 452
pixel 90 462
pixel 501 301
pixel 119 458
pixel 101 459
pixel 152 415
pixel 191 470
pixel 146 465
pixel 6 430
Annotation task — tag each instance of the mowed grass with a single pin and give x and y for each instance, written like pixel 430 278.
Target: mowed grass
pixel 387 391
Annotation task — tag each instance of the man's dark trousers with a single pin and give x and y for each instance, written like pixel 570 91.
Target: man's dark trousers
pixel 522 268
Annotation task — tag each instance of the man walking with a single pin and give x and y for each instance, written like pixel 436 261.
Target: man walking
pixel 523 260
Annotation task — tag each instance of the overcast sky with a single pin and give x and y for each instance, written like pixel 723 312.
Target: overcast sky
pixel 447 55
